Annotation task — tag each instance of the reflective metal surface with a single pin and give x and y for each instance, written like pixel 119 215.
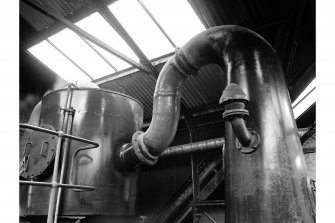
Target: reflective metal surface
pixel 106 117
pixel 269 185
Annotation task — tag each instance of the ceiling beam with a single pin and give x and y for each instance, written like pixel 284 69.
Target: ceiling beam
pixel 54 28
pixel 69 59
pixel 116 25
pixel 85 34
pixel 99 54
pixel 158 63
pixel 156 22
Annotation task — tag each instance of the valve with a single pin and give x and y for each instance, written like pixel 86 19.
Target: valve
pixel 234 100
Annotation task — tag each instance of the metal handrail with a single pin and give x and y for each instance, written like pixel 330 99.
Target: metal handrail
pixel 54 184
pixel 50 184
pixel 33 127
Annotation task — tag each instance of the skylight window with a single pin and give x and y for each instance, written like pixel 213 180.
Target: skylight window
pixel 141 28
pixel 75 58
pixel 177 18
pixel 305 100
pixel 96 25
pixel 75 48
pixel 53 59
pixel 117 62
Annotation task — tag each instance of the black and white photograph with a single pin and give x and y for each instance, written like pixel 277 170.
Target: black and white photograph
pixel 168 111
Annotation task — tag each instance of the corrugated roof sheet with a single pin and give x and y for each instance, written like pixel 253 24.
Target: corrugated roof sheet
pixel 41 22
pixel 204 89
pixel 198 92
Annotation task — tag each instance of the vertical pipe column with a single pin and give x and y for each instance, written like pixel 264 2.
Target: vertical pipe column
pixel 67 128
pixel 64 161
pixel 54 201
pixel 270 184
pixel 195 186
pixel 194 168
pixel 54 187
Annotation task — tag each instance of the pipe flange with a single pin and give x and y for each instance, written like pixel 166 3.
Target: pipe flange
pixel 234 100
pixel 233 93
pixel 254 145
pixel 144 149
pixel 183 65
pixel 141 150
pixel 235 112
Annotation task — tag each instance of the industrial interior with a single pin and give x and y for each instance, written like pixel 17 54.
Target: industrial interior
pixel 163 111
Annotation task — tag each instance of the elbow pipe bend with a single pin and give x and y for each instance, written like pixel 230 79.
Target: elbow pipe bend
pixel 235 49
pixel 241 131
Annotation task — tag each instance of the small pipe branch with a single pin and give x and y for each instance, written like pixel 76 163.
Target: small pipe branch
pixel 206 145
pixel 241 131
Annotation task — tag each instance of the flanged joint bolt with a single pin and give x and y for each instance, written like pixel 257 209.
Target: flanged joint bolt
pixel 234 100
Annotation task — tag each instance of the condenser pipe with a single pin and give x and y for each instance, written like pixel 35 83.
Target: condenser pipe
pixel 208 145
pixel 268 185
pixel 194 147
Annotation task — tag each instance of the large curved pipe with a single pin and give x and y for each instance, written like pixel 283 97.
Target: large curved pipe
pixel 268 185
pixel 229 46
